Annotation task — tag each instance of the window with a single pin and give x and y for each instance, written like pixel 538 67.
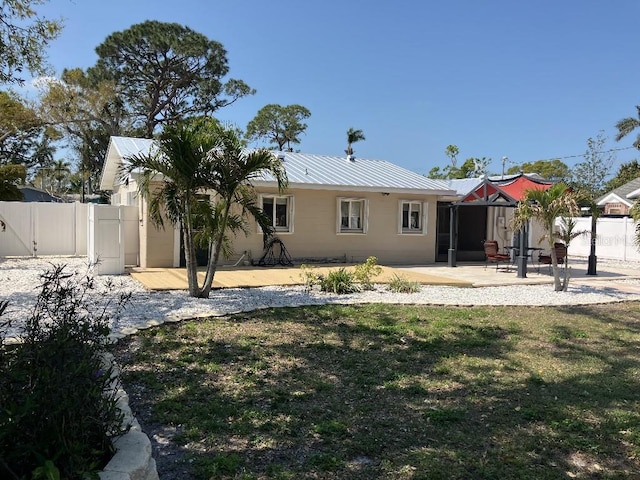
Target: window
pixel 280 210
pixel 352 215
pixel 412 217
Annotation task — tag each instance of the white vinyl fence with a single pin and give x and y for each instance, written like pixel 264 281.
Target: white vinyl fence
pixel 614 240
pixel 41 228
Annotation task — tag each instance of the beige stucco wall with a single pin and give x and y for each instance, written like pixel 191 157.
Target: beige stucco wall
pixel 314 231
pixel 315 237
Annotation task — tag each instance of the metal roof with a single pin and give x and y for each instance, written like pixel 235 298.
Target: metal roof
pixel 119 148
pixel 340 173
pixel 306 171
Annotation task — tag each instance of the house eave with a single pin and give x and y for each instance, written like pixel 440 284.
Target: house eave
pixel 614 198
pixel 356 188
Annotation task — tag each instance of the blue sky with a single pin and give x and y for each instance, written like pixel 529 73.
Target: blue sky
pixel 526 80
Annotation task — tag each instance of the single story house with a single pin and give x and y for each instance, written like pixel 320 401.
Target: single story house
pixel 334 208
pixel 339 208
pixel 619 200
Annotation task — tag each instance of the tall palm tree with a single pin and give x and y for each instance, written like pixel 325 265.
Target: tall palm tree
pixel 627 125
pixel 194 158
pixel 60 171
pixel 545 206
pixel 353 136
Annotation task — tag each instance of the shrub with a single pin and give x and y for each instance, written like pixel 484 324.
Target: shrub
pixel 338 281
pixel 366 271
pixel 399 284
pixel 57 406
pixel 309 277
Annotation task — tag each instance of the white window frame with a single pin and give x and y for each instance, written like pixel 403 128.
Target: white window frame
pixel 422 229
pixel 290 211
pixel 364 216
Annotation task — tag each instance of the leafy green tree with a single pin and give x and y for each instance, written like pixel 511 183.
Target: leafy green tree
pixel 279 125
pixel 166 72
pixel 10 177
pixel 471 168
pixel 628 125
pixel 545 206
pixel 554 170
pixel 24 37
pixel 194 158
pixel 353 136
pixel 24 137
pixel 87 112
pixel 452 152
pixel 626 172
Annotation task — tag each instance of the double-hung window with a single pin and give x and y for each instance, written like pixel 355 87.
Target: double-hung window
pixel 280 210
pixel 352 215
pixel 412 217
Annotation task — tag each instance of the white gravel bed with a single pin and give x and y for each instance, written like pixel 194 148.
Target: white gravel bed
pixel 20 281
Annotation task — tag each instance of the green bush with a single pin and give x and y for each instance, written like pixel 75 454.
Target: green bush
pixel 310 278
pixel 365 272
pixel 57 407
pixel 399 284
pixel 338 281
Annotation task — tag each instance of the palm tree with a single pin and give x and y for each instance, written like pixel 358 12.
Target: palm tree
pixel 353 136
pixel 545 206
pixel 233 169
pixel 627 125
pixel 194 158
pixel 60 171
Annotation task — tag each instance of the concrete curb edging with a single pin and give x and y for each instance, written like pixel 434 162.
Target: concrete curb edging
pixel 133 459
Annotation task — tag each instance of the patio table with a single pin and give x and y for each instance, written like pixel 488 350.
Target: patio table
pixel 515 251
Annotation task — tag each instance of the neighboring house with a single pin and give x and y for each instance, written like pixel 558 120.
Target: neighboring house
pixel 619 200
pixel 33 194
pixel 334 207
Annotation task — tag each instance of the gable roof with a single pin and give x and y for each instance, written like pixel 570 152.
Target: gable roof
pixel 622 194
pixel 505 191
pixel 304 171
pixel 118 149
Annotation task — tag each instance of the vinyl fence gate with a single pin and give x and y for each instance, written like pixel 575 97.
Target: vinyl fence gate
pixel 42 228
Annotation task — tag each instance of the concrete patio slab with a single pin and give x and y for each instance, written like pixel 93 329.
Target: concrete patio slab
pixel 241 277
pixel 463 275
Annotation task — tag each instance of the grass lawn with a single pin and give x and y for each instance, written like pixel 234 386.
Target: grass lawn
pixel 396 392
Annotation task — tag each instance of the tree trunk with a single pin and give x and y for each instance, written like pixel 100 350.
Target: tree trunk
pixel 557 285
pixel 190 255
pixel 215 247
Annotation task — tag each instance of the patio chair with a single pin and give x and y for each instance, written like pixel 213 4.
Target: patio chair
pixel 545 258
pixel 492 254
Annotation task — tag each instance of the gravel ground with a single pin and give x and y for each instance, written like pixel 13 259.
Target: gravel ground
pixel 20 280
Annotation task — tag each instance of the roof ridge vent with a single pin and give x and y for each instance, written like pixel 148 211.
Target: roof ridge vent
pixel 351 158
pixel 281 156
